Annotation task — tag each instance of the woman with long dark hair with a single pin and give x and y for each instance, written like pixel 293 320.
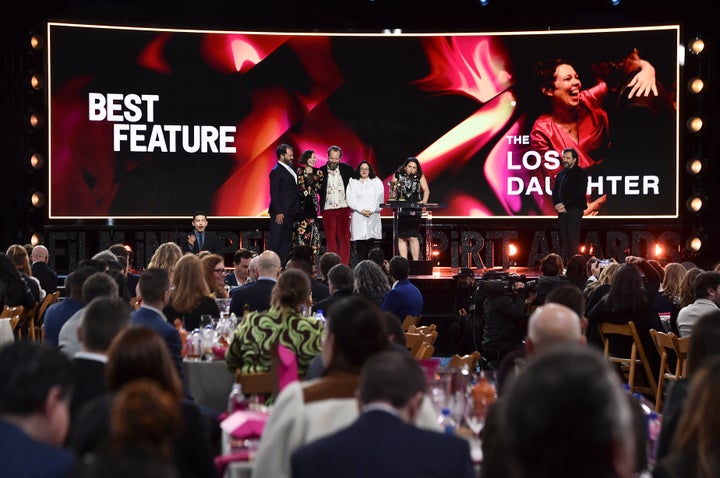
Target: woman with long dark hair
pixel 410 185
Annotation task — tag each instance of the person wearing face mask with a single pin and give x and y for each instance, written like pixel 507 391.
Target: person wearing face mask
pixel 334 205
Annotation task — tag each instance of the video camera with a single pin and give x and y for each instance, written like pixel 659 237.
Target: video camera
pixel 493 284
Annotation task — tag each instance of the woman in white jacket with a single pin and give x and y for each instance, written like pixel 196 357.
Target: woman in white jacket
pixel 364 195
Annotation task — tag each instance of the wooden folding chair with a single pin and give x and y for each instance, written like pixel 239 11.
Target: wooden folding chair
pixel 666 344
pixel 413 341
pixel 469 360
pixel 427 346
pixel 628 365
pixel 410 320
pixel 13 313
pixel 40 320
pixel 27 323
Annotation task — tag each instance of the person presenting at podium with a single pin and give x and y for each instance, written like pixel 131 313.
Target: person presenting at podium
pixel 410 185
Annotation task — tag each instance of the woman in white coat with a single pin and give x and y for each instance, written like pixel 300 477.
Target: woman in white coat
pixel 364 195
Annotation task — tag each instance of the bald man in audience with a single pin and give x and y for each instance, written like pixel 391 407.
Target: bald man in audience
pixel 45 274
pixel 549 325
pixel 256 296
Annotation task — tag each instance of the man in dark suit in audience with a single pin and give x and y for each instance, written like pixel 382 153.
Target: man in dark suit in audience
pixel 256 295
pixel 341 282
pixel 104 318
pixel 384 441
pixel 45 274
pixel 154 288
pixel 200 239
pixel 35 387
pixel 284 202
pixel 404 298
pixel 302 258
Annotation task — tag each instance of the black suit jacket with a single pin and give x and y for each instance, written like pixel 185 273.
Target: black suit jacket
pixel 284 193
pixel 256 295
pixel 346 172
pixel 213 243
pixel 48 278
pixel 89 382
pixel 378 444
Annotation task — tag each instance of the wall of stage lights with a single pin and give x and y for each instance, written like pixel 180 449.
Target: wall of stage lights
pixel 696 167
pixel 33 125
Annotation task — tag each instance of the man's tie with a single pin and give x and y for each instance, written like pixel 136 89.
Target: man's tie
pixel 201 241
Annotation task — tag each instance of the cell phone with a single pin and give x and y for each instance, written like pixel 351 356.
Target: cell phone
pixel 603 262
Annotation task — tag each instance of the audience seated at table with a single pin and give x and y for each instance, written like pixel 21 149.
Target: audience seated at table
pixel 704 346
pixel 165 257
pixel 283 323
pixel 707 298
pixel 214 273
pixel 384 442
pixel 302 258
pixel 190 296
pixel 144 421
pixel 307 410
pixel 256 295
pixel 565 416
pixel 370 281
pixel 48 278
pixel 60 312
pixel 140 352
pixel 340 282
pixel 13 290
pixel 694 451
pixel 326 262
pixel 18 254
pixel 99 284
pixel 404 298
pixel 36 384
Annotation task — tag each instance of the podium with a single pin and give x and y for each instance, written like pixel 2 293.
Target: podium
pixel 425 210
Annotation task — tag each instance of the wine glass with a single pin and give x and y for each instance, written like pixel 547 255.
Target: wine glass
pixel 474 416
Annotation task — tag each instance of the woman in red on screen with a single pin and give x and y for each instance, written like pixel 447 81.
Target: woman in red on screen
pixel 577 118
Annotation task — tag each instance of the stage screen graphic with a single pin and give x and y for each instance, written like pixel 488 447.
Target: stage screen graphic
pixel 157 123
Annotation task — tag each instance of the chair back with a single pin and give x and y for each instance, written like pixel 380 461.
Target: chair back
pixel 27 323
pixel 667 345
pixel 410 320
pixel 49 300
pixel 413 341
pixel 427 346
pixel 261 383
pixel 469 360
pixel 14 313
pixel 628 364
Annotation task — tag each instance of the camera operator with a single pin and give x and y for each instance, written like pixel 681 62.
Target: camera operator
pixel 464 326
pixel 505 312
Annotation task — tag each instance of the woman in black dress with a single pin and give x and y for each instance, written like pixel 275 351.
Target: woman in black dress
pixel 410 185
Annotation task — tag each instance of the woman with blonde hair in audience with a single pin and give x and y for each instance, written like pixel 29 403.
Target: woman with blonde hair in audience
pixel 141 353
pixel 687 289
pixel 667 300
pixel 165 257
pixel 598 289
pixel 190 296
pixel 214 272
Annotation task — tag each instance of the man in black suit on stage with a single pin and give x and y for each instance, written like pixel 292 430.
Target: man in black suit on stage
pixel 200 239
pixel 48 278
pixel 284 202
pixel 569 200
pixel 384 441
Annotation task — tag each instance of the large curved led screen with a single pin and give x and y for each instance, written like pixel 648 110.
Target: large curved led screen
pixel 157 123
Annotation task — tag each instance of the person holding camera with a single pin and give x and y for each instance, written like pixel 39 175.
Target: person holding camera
pixel 505 312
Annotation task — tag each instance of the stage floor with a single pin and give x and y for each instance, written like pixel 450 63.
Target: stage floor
pixel 449 272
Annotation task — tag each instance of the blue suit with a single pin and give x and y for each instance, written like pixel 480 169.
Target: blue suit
pixel 56 315
pixel 151 318
pixel 404 299
pixel 256 295
pixel 381 445
pixel 22 456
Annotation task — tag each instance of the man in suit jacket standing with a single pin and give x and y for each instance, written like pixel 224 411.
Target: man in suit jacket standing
pixel 569 199
pixel 382 440
pixel 284 202
pixel 45 274
pixel 200 239
pixel 333 204
pixel 404 298
pixel 256 295
pixel 154 288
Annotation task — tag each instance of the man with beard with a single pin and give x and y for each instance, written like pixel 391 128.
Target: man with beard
pixel 284 203
pixel 569 200
pixel 334 206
